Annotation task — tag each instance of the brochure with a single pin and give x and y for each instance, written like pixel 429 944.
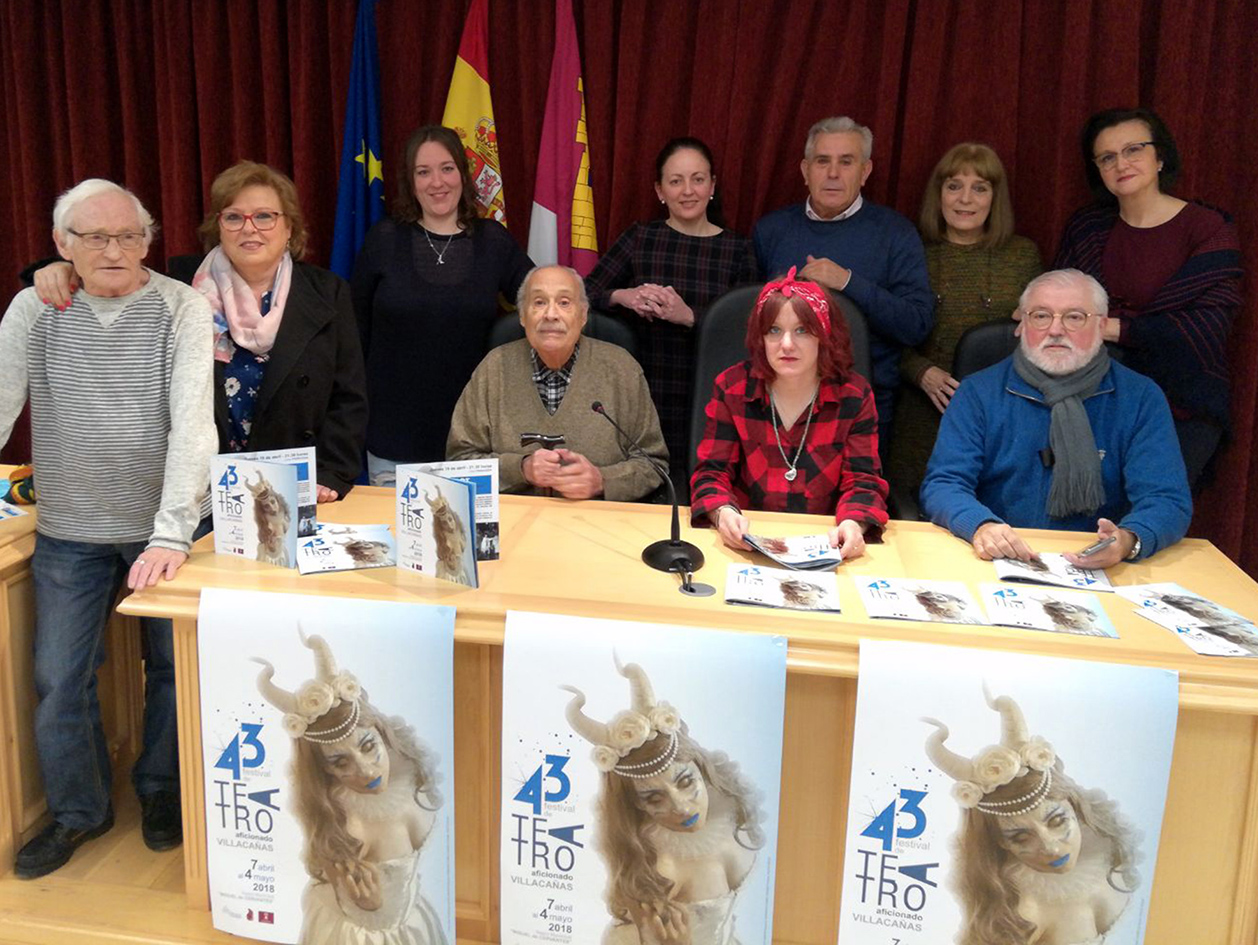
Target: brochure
pixel 483 475
pixel 806 553
pixel 775 587
pixel 1037 609
pixel 303 458
pixel 911 599
pixel 346 548
pixel 435 526
pixel 1052 569
pixel 10 511
pixel 253 507
pixel 1206 627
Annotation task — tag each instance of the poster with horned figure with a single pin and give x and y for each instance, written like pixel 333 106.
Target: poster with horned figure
pixel 640 774
pixel 436 525
pixel 1049 834
pixel 327 744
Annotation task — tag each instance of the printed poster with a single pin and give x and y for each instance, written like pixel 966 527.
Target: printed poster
pixel 1002 791
pixel 626 767
pixel 327 728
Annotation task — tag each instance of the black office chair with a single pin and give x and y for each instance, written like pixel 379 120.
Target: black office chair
pixel 603 327
pixel 720 343
pixel 982 346
pixel 979 347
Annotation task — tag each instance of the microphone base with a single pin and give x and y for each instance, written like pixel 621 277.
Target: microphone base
pixel 675 556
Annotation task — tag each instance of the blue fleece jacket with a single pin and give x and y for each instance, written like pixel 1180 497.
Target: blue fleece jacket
pixel 889 279
pixel 986 466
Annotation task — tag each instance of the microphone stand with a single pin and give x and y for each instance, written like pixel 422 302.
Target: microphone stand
pixel 667 554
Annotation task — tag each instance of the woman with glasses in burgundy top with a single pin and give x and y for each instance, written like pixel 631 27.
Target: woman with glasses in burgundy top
pixel 1171 267
pixel 792 429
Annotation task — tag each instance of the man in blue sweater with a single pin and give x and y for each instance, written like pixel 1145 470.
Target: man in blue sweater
pixel 1058 436
pixel 868 252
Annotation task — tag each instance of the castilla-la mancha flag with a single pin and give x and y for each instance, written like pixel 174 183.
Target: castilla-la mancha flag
pixel 562 228
pixel 470 112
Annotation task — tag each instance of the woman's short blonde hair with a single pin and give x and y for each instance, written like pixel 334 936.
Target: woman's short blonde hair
pixel 227 187
pixel 984 162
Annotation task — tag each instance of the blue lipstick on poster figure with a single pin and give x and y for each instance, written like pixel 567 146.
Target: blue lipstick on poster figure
pixel 1060 861
pixel 371 786
pixel 691 820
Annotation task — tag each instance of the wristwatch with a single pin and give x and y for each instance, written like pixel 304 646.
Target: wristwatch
pixel 1135 549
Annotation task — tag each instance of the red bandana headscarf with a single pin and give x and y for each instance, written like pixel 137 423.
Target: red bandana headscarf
pixel 810 292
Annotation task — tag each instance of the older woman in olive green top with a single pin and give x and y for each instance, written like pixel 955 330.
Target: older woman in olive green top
pixel 978 268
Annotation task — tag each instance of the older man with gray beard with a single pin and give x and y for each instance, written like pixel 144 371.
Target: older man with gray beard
pixel 1059 436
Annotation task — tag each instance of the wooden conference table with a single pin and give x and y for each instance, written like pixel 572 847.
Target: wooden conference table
pixel 582 558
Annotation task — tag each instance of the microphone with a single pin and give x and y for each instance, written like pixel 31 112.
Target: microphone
pixel 667 554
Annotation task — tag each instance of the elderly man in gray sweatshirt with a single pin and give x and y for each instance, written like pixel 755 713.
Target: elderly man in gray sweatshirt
pixel 120 387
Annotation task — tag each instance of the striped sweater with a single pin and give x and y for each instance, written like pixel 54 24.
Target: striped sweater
pixel 122 422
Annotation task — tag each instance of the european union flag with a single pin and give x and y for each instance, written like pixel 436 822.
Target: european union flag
pixel 360 193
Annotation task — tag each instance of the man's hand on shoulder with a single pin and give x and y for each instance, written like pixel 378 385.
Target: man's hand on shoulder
pixel 827 272
pixel 998 540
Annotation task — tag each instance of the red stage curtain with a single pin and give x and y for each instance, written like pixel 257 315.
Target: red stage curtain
pixel 162 94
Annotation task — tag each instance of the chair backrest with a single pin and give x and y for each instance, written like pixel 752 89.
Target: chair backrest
pixel 720 343
pixel 982 346
pixel 598 325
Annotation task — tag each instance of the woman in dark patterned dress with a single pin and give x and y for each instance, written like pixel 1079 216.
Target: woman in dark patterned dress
pixel 667 272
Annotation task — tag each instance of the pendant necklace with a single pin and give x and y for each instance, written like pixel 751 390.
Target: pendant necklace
pixel 441 256
pixel 792 465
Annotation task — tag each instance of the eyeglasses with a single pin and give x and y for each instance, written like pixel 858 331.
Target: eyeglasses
pixel 235 220
pixel 1042 318
pixel 98 241
pixel 1109 160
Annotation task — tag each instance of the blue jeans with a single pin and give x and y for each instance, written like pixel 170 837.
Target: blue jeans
pixel 76 584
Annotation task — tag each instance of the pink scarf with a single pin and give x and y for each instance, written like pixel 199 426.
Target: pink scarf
pixel 236 314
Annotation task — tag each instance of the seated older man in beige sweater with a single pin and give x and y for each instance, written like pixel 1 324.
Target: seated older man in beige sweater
pixel 545 384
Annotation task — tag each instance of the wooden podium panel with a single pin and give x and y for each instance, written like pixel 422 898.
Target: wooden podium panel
pixel 582 558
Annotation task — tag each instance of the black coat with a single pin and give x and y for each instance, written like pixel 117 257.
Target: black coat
pixel 314 392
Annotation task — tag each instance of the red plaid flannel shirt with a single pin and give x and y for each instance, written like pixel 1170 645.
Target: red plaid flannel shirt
pixel 839 472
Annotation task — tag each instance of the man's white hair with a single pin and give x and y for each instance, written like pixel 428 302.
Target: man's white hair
pixel 63 211
pixel 838 125
pixel 522 296
pixel 1069 279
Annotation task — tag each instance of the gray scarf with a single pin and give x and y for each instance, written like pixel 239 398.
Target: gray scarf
pixel 1077 486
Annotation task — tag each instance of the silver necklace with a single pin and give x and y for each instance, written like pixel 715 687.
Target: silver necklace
pixel 792 464
pixel 441 256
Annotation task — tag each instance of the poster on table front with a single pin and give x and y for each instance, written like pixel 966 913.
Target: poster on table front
pixel 640 772
pixel 999 797
pixel 327 743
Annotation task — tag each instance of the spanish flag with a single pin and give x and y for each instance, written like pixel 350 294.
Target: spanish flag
pixel 562 226
pixel 470 112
